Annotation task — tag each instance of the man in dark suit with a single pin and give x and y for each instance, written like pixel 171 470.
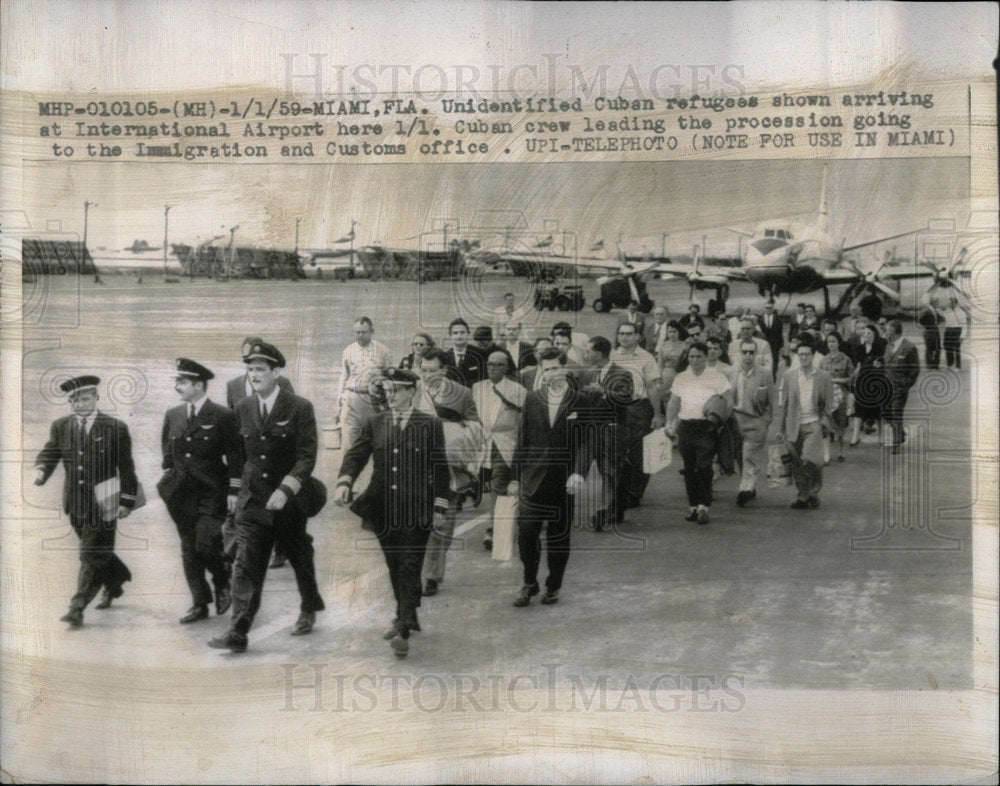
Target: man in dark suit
pixel 94 448
pixel 522 353
pixel 901 363
pixel 279 442
pixel 552 455
pixel 239 388
pixel 614 385
pixel 463 356
pixel 930 320
pixel 693 317
pixel 203 459
pixel 656 330
pixel 771 328
pixel 407 495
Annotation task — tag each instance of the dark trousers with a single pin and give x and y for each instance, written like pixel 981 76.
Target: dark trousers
pixel 99 565
pixel 953 346
pixel 893 412
pixel 932 347
pixel 550 507
pixel 403 548
pixel 257 530
pixel 696 440
pixel 200 530
pixel 729 443
pixel 632 481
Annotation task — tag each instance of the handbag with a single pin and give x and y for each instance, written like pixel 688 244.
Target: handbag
pixel 504 527
pixel 107 495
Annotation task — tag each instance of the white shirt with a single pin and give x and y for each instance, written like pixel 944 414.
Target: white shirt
pixel 268 402
pixel 197 405
pixel 499 421
pixel 806 406
pixel 555 400
pixel 694 391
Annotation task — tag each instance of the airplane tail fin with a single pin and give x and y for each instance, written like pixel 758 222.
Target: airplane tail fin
pixel 822 197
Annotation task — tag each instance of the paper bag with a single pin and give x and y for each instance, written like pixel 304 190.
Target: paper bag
pixel 779 466
pixel 657 450
pixel 107 495
pixel 504 527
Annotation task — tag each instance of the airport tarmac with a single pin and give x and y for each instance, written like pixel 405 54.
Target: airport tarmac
pixel 666 633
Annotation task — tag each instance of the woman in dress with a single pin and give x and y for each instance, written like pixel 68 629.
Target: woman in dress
pixel 668 352
pixel 840 368
pixel 871 390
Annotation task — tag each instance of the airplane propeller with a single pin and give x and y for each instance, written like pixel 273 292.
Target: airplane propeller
pixel 870 278
pixel 947 277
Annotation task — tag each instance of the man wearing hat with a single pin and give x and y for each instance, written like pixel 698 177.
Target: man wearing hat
pixel 239 388
pixel 93 448
pixel 280 443
pixel 407 495
pixel 203 459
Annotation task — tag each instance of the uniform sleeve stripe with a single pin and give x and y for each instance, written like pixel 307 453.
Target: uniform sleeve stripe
pixel 292 482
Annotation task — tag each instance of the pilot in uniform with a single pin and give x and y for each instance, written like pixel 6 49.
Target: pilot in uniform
pixel 93 448
pixel 203 459
pixel 280 442
pixel 407 495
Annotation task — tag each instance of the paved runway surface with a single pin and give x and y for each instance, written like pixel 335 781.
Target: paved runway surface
pixel 666 634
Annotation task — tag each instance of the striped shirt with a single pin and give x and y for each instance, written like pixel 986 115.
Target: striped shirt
pixel 359 366
pixel 641 365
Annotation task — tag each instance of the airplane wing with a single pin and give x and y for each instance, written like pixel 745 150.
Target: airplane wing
pixel 525 261
pixel 876 241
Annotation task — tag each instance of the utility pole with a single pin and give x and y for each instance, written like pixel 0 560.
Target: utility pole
pixel 166 211
pixel 297 222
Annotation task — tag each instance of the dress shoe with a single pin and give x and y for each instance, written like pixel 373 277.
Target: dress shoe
pixel 414 628
pixel 400 646
pixel 223 600
pixel 703 515
pixel 195 614
pixel 692 515
pixel 814 502
pixel 74 617
pixel 528 591
pixel 231 640
pixel 109 595
pixel 488 540
pixel 743 498
pixel 550 597
pixel 854 443
pixel 800 504
pixel 305 623
pixel 430 588
pixel 278 561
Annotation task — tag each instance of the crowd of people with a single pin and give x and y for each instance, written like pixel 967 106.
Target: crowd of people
pixel 490 414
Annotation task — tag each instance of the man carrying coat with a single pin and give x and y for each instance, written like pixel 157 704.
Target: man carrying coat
pixel 280 441
pixel 407 495
pixel 901 363
pixel 203 459
pixel 96 453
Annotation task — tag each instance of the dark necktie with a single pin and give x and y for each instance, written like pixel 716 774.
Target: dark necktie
pixel 83 429
pixel 190 413
pixel 263 411
pixel 399 424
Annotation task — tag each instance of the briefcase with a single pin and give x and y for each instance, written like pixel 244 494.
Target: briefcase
pixel 107 495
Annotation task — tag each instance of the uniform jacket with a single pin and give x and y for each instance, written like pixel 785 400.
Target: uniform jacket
pixel 105 452
pixel 236 389
pixel 760 400
pixel 409 470
pixel 206 455
pixel 547 454
pixel 791 410
pixel 280 451
pixel 902 367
